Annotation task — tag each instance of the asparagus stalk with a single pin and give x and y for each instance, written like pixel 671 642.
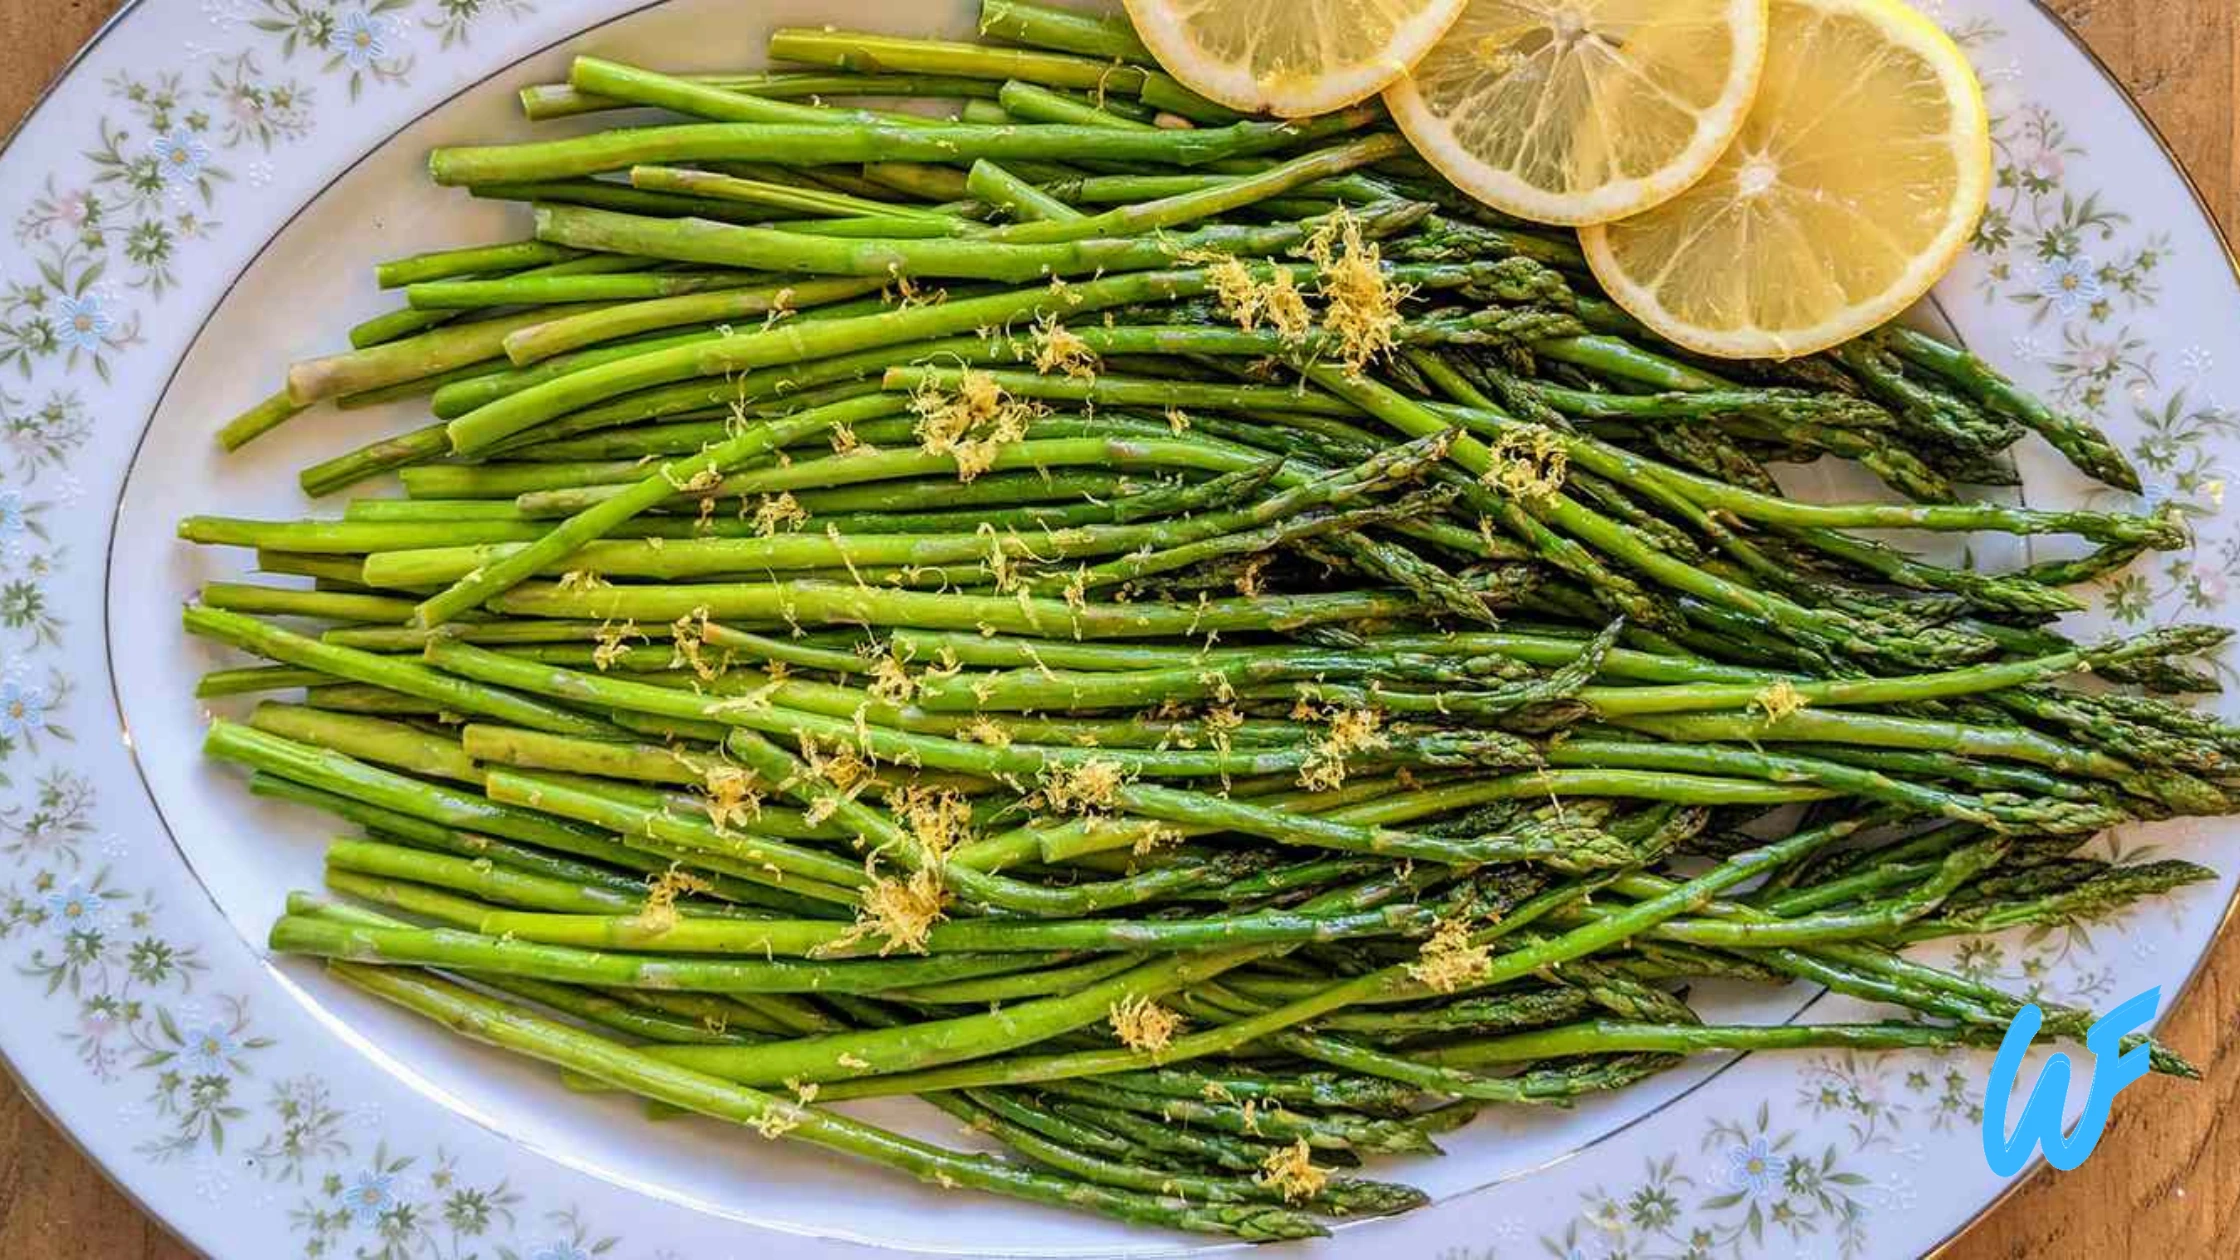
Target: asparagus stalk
pixel 486 1020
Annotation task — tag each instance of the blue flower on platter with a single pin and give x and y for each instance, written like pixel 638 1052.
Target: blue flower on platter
pixel 207 1050
pixel 22 709
pixel 364 39
pixel 2071 284
pixel 180 156
pixel 369 1196
pixel 11 516
pixel 81 323
pixel 560 1249
pixel 1754 1168
pixel 76 908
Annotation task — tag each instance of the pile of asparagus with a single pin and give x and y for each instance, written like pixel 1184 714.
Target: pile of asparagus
pixel 1179 640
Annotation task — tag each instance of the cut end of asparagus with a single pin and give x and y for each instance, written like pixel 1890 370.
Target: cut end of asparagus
pixel 259 420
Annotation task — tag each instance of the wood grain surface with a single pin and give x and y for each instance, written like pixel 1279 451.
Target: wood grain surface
pixel 2165 1181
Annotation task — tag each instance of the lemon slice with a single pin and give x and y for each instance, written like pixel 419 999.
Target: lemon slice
pixel 1855 181
pixel 1582 111
pixel 1289 57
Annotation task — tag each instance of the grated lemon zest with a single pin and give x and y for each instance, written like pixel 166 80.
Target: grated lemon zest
pixel 983 730
pixel 1091 786
pixel 705 479
pixel 973 425
pixel 779 1120
pixel 1234 289
pixel 1057 349
pixel 1528 464
pixel 659 913
pixel 903 911
pixel 1154 837
pixel 891 682
pixel 1448 960
pixel 690 633
pixel 731 796
pixel 608 646
pixel 1221 721
pixel 1351 731
pixel 779 511
pixel 1248 577
pixel 1290 1171
pixel 1142 1024
pixel 938 819
pixel 1779 700
pixel 1287 308
pixel 1361 308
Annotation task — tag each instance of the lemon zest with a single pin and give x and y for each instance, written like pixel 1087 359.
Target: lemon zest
pixel 1290 1171
pixel 689 633
pixel 1287 308
pixel 1527 464
pixel 1361 308
pixel 608 643
pixel 1780 699
pixel 659 913
pixel 1091 786
pixel 1351 731
pixel 731 795
pixel 938 819
pixel 1144 1025
pixel 1448 960
pixel 983 730
pixel 843 768
pixel 1154 837
pixel 902 911
pixel 778 511
pixel 1057 349
pixel 971 426
pixel 891 682
pixel 1248 577
pixel 779 1120
pixel 1221 721
pixel 705 479
pixel 1235 290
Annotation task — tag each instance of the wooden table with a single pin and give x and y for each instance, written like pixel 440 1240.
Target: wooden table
pixel 2165 1181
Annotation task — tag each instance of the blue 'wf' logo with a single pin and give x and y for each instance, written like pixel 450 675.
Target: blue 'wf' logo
pixel 2113 1068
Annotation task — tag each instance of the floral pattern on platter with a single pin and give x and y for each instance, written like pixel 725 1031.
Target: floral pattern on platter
pixel 397 1207
pixel 191 1063
pixel 1757 1185
pixel 159 167
pixel 2090 277
pixel 103 242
